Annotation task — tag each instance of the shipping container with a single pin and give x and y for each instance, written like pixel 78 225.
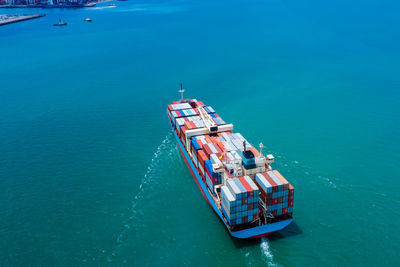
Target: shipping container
pixel 227 158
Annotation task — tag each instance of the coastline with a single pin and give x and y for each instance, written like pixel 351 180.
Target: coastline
pixel 60 6
pixel 18 18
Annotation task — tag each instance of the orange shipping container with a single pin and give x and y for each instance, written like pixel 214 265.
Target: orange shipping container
pixel 202 157
pixel 221 146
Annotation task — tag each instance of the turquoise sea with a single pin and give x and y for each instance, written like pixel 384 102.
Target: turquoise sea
pixel 90 174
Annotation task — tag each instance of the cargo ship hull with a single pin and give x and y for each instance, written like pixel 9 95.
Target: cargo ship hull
pixel 254 232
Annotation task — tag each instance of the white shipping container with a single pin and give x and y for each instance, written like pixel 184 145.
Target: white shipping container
pixel 180 106
pixel 227 194
pixel 276 180
pixel 251 183
pixel 227 146
pixel 201 137
pixel 195 161
pixel 201 169
pixel 212 147
pixel 211 109
pixel 266 186
pixel 226 136
pixel 232 145
pixel 239 136
pixel 238 144
pixel 233 188
pixel 236 155
pixel 215 160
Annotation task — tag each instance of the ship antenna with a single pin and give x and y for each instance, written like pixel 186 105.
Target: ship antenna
pixel 181 91
pixel 261 147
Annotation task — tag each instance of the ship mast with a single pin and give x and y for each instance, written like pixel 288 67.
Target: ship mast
pixel 181 91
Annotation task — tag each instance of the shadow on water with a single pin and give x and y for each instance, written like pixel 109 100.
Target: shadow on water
pixel 292 229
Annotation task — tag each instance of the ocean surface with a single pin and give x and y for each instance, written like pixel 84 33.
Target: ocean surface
pixel 90 174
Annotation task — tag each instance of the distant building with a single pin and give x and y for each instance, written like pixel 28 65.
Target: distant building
pixel 44 2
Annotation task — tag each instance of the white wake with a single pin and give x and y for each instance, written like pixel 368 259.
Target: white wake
pixel 266 250
pixel 164 149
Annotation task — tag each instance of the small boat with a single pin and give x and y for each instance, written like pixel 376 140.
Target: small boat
pixel 88 20
pixel 60 23
pixel 111 4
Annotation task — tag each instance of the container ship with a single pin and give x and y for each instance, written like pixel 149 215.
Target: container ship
pixel 236 179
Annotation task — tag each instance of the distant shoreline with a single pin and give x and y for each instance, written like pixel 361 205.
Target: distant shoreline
pixel 48 6
pixel 17 18
pixel 58 6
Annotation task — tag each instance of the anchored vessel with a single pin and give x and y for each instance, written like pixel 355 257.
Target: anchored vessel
pixel 60 23
pixel 235 178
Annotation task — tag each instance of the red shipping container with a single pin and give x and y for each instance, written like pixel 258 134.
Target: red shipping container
pixel 290 204
pixel 200 104
pixel 284 210
pixel 274 201
pixel 244 219
pixel 246 185
pixel 208 150
pixel 187 125
pixel 221 146
pixel 271 181
pixel 220 151
pixel 175 102
pixel 214 180
pixel 244 201
pixel 183 130
pixel 202 157
pixel 193 125
pixel 250 206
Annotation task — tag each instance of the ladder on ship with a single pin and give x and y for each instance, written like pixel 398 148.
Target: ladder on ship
pixel 266 213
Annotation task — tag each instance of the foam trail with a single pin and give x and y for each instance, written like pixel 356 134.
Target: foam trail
pixel 102 7
pixel 266 250
pixel 164 148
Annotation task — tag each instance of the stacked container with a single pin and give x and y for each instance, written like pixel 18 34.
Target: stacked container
pixel 229 155
pixel 239 200
pixel 274 193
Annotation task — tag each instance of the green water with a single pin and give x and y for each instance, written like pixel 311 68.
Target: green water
pixel 90 173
